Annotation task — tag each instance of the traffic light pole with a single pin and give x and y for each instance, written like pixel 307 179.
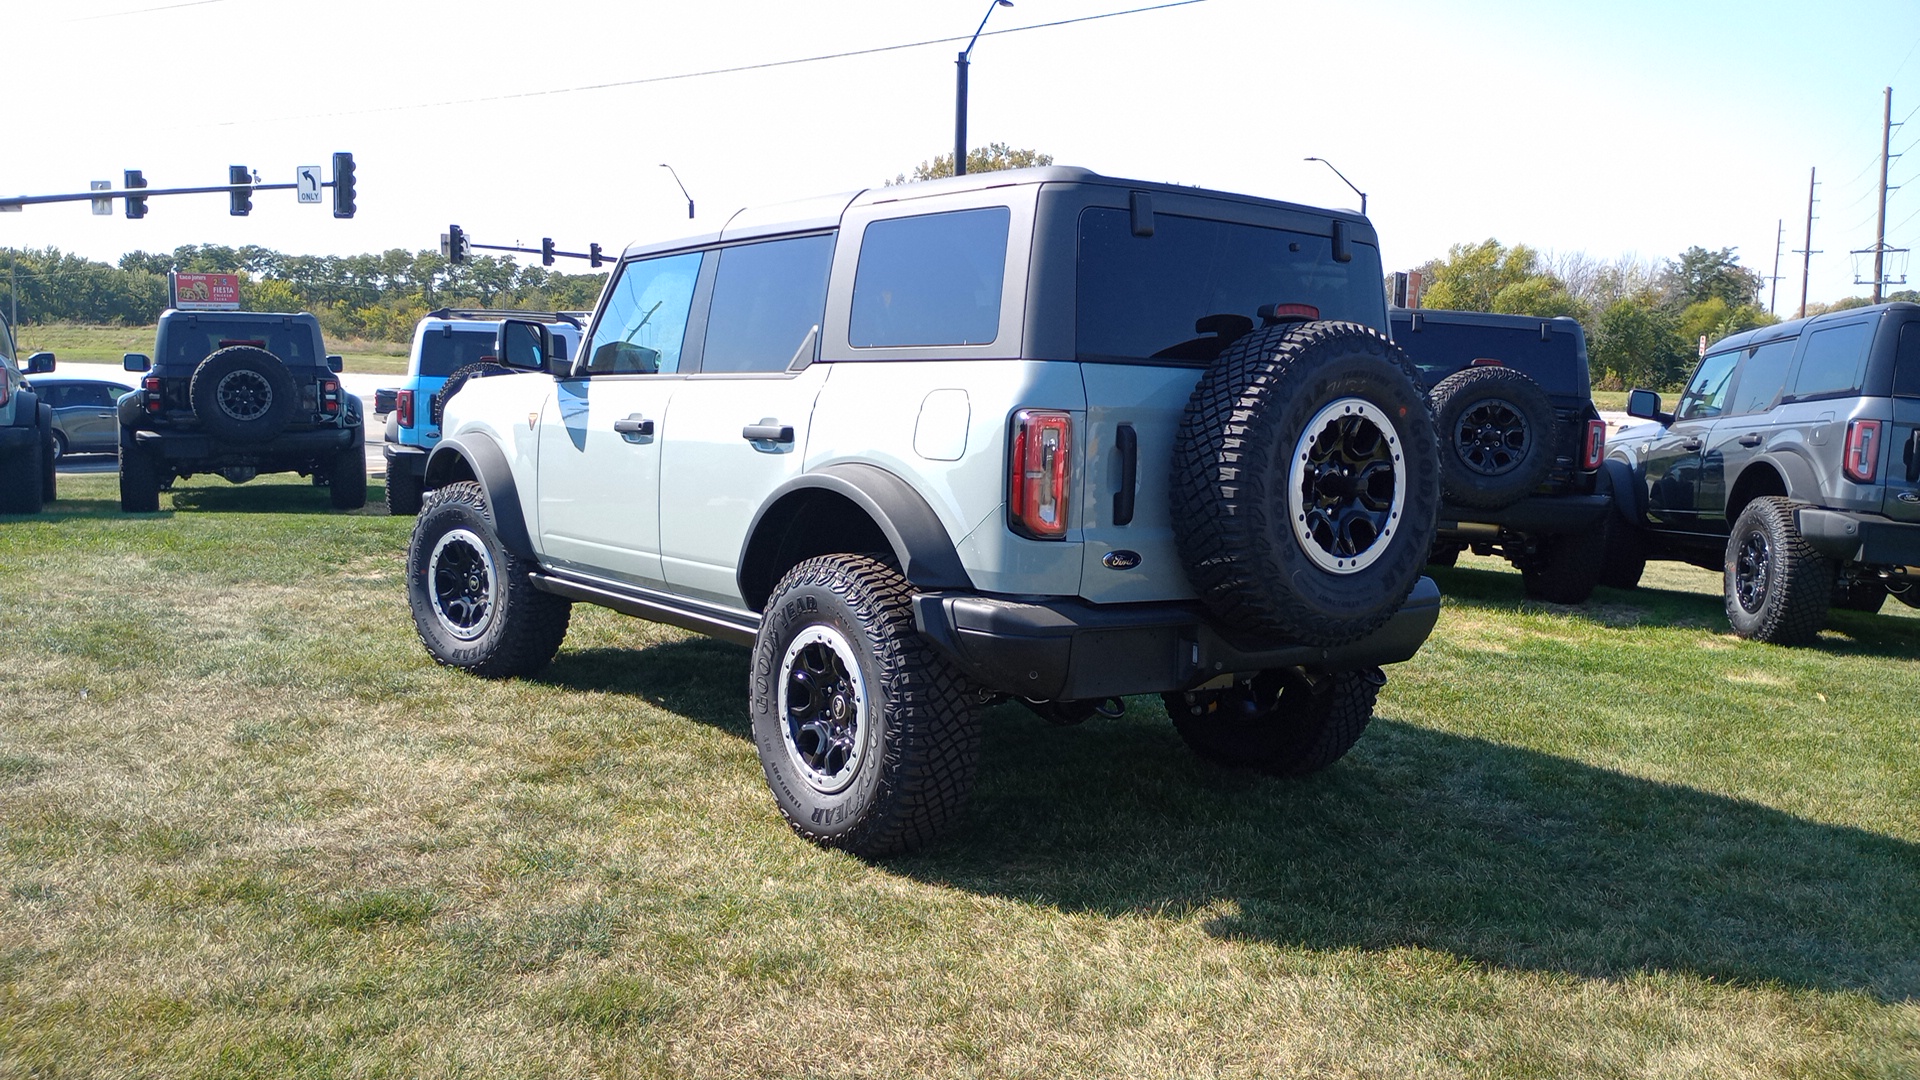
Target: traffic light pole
pixel 139 193
pixel 546 250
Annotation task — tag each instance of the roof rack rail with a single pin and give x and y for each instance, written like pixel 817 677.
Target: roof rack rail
pixel 573 317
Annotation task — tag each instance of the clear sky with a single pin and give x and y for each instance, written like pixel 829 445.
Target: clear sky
pixel 1629 127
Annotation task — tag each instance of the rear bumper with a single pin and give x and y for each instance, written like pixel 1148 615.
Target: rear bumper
pixel 1066 650
pixel 1861 538
pixel 288 446
pixel 402 459
pixel 1546 514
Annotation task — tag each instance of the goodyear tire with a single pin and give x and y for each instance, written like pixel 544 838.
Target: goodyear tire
pixel 1280 723
pixel 1305 482
pixel 868 738
pixel 1777 586
pixel 1496 436
pixel 242 393
pixel 473 604
pixel 460 377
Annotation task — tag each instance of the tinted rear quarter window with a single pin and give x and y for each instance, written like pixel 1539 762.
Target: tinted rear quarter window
pixel 1835 361
pixel 444 352
pixel 1906 366
pixel 768 300
pixel 934 279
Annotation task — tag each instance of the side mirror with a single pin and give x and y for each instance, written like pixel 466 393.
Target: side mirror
pixel 524 345
pixel 39 363
pixel 335 364
pixel 134 361
pixel 1645 405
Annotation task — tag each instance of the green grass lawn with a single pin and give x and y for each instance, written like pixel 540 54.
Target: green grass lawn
pixel 247 829
pixel 107 344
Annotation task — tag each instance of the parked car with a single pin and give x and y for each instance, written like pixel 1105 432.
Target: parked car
pixel 84 420
pixel 450 346
pixel 1791 464
pixel 26 432
pixel 239 393
pixel 1037 435
pixel 1520 444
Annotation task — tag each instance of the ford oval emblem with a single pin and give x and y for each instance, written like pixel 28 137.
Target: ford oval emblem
pixel 1908 497
pixel 1121 560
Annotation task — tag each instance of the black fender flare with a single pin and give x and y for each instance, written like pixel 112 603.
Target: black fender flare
pixel 920 542
pixel 1802 484
pixel 1619 479
pixel 480 456
pixel 26 409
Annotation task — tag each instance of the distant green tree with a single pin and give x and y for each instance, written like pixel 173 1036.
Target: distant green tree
pixel 1637 341
pixel 989 158
pixel 1489 276
pixel 1714 318
pixel 1699 274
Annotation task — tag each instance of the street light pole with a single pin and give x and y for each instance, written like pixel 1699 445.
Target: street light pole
pixel 1344 180
pixel 683 188
pixel 960 94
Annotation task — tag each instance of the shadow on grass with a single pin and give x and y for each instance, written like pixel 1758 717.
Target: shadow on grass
pixel 1859 634
pixel 256 498
pixel 1505 856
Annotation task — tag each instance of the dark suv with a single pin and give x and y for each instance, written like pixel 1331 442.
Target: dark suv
pixel 1520 443
pixel 239 393
pixel 1791 464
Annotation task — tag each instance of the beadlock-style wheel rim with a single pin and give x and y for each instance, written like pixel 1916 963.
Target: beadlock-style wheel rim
pixel 823 709
pixel 244 394
pixel 1492 437
pixel 1347 486
pixel 1750 572
pixel 460 584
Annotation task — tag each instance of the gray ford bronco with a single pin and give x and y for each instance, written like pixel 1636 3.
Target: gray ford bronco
pixel 1038 435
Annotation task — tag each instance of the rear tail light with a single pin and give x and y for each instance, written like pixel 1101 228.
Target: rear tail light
pixel 1862 460
pixel 1485 361
pixel 1040 473
pixel 1596 447
pixel 403 407
pixel 150 394
pixel 6 389
pixel 329 395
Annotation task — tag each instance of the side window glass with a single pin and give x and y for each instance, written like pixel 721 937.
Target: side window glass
pixel 1707 393
pixel 1906 365
pixel 1835 360
pixel 1762 376
pixel 644 320
pixel 931 280
pixel 768 300
pixel 54 396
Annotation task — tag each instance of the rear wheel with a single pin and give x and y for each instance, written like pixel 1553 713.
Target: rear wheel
pixel 1777 586
pixel 403 492
pixel 53 446
pixel 1280 722
pixel 139 479
pixel 1625 557
pixel 868 738
pixel 347 482
pixel 473 603
pixel 22 486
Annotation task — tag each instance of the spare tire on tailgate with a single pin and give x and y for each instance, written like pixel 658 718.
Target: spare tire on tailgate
pixel 459 379
pixel 1305 482
pixel 1496 436
pixel 243 393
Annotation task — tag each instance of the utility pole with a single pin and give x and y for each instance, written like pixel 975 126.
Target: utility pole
pixel 1779 241
pixel 1880 233
pixel 1806 263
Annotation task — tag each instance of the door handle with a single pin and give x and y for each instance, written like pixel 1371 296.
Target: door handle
pixel 1751 438
pixel 781 433
pixel 1128 443
pixel 1690 444
pixel 635 425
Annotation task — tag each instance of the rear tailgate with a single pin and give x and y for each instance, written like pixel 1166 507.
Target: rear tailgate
pixel 1901 501
pixel 1133 410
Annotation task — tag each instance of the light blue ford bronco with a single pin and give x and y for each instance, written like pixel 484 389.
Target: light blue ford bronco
pixel 1038 435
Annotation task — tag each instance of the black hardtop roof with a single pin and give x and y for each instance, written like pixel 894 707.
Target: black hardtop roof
pixel 825 211
pixel 1562 324
pixel 577 318
pixel 238 316
pixel 1760 335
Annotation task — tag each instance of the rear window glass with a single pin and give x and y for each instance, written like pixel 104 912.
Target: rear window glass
pixel 931 280
pixel 1438 349
pixel 1141 296
pixel 444 351
pixel 1835 361
pixel 768 300
pixel 1906 367
pixel 191 342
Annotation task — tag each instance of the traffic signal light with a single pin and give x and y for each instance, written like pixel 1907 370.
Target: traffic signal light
pixel 546 251
pixel 455 246
pixel 241 197
pixel 136 204
pixel 343 185
pixel 593 255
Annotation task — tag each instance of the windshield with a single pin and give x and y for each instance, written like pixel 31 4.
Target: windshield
pixel 1141 296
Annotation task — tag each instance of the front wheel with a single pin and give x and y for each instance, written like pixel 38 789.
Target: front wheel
pixel 868 737
pixel 474 606
pixel 1281 722
pixel 1777 586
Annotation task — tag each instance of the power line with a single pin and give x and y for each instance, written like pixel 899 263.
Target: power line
pixel 701 74
pixel 137 11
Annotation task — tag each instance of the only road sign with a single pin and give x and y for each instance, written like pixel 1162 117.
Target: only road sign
pixel 307 181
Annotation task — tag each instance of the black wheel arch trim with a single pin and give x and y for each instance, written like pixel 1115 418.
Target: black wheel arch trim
pixel 1620 480
pixel 927 556
pixel 488 464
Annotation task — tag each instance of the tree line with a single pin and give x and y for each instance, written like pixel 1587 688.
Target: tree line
pixel 1644 319
pixel 377 297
